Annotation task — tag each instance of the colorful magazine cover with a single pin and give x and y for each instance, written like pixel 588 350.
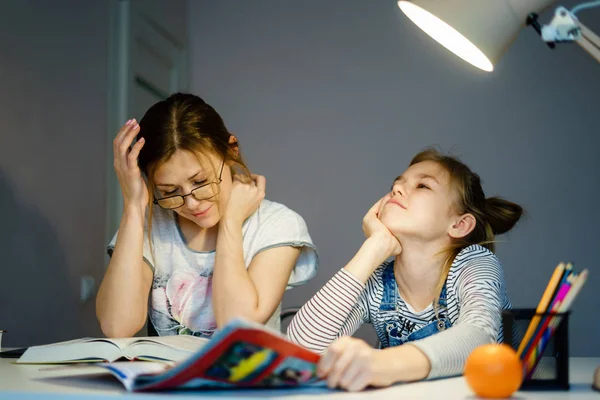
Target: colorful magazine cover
pixel 242 354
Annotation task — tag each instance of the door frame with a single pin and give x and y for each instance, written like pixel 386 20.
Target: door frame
pixel 121 79
pixel 119 72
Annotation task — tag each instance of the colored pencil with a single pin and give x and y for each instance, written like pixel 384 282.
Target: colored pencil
pixel 543 304
pixel 555 321
pixel 539 331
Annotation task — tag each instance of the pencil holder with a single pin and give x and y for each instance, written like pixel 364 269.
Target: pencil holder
pixel 552 370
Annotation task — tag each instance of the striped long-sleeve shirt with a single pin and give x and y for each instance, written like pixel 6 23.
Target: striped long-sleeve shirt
pixel 476 294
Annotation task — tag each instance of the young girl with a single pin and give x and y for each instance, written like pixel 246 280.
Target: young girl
pixel 197 245
pixel 440 298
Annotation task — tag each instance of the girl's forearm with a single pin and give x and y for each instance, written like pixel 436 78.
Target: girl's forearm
pixel 405 363
pixel 329 314
pixel 370 255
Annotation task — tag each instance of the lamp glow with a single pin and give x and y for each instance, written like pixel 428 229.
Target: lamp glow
pixel 447 36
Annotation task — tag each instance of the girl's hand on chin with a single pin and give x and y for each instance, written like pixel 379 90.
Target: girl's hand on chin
pixel 374 229
pixel 371 222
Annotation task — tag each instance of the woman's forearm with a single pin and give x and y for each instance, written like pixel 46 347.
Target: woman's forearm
pixel 234 294
pixel 122 300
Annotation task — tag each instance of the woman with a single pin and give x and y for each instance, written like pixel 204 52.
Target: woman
pixel 196 234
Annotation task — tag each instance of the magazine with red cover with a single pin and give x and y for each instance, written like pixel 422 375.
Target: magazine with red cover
pixel 242 354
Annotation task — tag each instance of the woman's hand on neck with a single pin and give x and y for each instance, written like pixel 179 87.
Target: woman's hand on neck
pixel 417 270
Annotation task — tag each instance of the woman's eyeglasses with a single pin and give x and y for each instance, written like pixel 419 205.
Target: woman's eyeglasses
pixel 203 192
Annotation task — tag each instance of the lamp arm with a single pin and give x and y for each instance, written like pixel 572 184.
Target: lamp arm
pixel 583 6
pixel 566 27
pixel 589 41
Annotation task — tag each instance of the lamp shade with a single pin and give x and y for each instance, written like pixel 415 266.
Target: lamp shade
pixel 478 31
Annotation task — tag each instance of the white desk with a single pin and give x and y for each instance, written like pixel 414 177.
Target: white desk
pixel 21 382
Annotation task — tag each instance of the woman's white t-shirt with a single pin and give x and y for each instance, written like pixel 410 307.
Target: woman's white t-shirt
pixel 180 299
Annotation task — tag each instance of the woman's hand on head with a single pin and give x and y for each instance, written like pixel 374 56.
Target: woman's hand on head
pixel 374 229
pixel 353 365
pixel 133 186
pixel 245 198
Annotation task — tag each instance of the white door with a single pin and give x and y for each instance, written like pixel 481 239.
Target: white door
pixel 148 61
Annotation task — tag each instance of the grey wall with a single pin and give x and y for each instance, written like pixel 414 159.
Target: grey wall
pixel 53 72
pixel 331 99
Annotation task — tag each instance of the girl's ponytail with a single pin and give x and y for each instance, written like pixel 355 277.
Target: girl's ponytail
pixel 501 215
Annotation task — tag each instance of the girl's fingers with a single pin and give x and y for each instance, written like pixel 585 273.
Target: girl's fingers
pixel 373 211
pixel 381 203
pixel 338 370
pixel 326 362
pixel 351 374
pixel 359 382
pixel 375 208
pixel 329 358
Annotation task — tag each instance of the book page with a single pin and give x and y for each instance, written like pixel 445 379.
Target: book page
pixel 128 371
pixel 121 343
pixel 172 348
pixel 182 342
pixel 79 350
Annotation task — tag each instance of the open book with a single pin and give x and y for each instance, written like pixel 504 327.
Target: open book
pixel 242 354
pixel 168 348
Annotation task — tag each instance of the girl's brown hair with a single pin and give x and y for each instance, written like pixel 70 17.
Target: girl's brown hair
pixel 493 215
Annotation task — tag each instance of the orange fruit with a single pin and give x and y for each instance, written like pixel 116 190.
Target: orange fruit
pixel 494 370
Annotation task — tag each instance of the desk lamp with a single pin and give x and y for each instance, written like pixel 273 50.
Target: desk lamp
pixel 480 31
